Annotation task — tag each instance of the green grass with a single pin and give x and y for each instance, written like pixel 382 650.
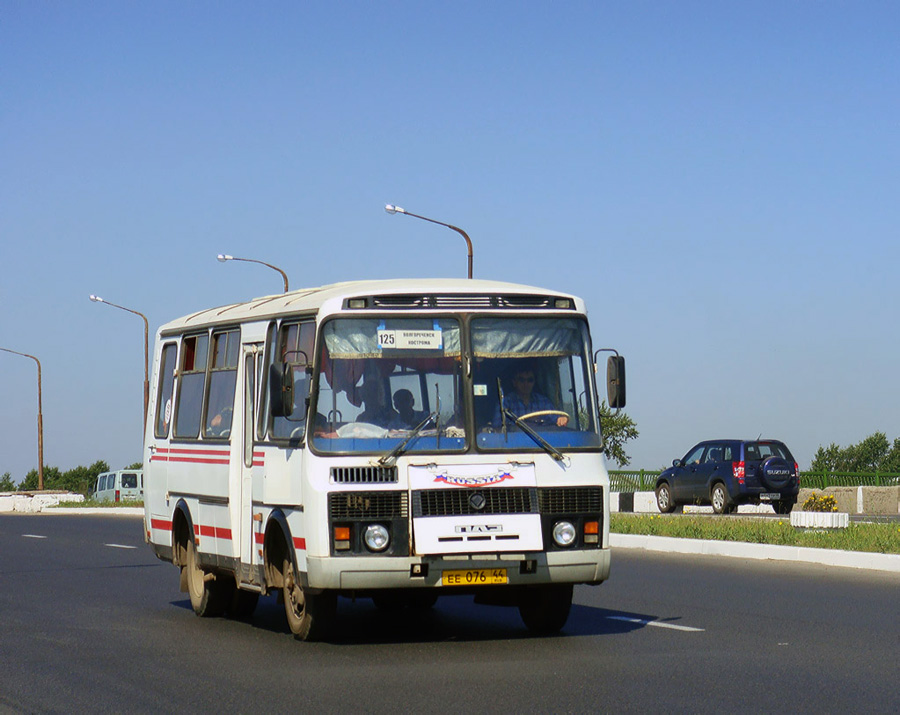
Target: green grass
pixel 877 538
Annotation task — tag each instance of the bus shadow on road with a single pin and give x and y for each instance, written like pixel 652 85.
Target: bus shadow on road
pixel 453 618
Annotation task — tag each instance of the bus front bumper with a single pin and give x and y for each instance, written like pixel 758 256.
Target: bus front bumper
pixel 590 566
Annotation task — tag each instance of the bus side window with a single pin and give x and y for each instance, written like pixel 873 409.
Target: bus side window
pixel 166 388
pixel 222 380
pixel 296 342
pixel 191 381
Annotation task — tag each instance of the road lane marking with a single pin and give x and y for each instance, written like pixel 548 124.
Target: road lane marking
pixel 33 536
pixel 120 546
pixel 656 624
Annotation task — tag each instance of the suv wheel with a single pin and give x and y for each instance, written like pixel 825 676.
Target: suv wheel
pixel 664 498
pixel 721 503
pixel 783 506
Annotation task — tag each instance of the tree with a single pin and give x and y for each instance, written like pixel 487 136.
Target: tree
pixel 78 479
pixel 52 479
pixel 873 454
pixel 617 429
pixel 6 483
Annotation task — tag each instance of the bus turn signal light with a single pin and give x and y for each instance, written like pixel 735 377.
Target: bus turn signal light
pixel 341 538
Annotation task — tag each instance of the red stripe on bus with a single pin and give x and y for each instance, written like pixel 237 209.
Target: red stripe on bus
pixel 161 524
pixel 197 460
pixel 299 543
pixel 216 532
pixel 201 456
pixel 222 452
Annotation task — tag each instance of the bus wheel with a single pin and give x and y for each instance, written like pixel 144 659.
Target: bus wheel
pixel 207 596
pixel 545 609
pixel 308 615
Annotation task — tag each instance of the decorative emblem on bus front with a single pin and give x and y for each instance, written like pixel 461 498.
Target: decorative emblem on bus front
pixel 472 482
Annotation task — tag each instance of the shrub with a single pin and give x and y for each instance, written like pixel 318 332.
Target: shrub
pixel 820 502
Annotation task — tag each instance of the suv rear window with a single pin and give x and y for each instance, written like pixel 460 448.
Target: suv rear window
pixel 757 451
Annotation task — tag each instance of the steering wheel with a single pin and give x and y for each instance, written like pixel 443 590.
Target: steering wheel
pixel 542 413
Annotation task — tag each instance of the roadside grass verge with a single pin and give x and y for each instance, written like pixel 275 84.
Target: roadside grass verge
pixel 876 538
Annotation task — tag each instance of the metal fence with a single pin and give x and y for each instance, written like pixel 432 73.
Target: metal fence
pixel 643 480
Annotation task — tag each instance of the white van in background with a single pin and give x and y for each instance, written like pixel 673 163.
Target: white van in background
pixel 123 485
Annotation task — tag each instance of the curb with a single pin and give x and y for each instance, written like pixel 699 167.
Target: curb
pixel 759 552
pixel 109 511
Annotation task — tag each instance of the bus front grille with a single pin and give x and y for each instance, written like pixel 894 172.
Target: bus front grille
pixel 465 502
pixel 364 475
pixel 346 506
pixel 571 500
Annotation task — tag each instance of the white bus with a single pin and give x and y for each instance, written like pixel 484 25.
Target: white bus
pixel 349 440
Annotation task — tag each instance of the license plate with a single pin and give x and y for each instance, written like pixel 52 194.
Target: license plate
pixel 474 577
pixel 770 496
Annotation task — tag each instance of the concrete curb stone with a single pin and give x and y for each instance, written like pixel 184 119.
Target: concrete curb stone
pixel 761 552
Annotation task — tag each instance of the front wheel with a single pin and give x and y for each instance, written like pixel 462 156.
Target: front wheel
pixel 207 594
pixel 721 503
pixel 309 616
pixel 664 498
pixel 545 609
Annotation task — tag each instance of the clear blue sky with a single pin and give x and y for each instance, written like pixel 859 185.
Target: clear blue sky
pixel 718 180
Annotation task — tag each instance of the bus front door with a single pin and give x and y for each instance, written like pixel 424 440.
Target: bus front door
pixel 250 527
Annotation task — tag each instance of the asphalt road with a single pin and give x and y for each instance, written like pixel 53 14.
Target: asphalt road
pixel 88 623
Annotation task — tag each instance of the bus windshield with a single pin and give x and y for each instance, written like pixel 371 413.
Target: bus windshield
pixel 380 378
pixel 539 367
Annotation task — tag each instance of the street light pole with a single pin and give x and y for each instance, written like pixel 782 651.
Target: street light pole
pixel 40 418
pixel 98 299
pixel 222 258
pixel 391 209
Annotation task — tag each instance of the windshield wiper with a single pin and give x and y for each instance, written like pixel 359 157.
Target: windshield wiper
pixel 540 441
pixel 549 448
pixel 391 457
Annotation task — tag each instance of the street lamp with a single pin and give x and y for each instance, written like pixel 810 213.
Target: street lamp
pixel 98 299
pixel 40 419
pixel 223 257
pixel 391 209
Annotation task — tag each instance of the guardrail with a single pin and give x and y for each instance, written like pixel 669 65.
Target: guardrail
pixel 644 480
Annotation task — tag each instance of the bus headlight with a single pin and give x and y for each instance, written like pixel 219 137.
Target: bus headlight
pixel 376 537
pixel 563 533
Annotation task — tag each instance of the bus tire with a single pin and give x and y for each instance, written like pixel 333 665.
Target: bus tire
pixel 545 609
pixel 207 596
pixel 309 616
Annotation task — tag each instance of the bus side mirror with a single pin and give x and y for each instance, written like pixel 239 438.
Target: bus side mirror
pixel 281 390
pixel 615 381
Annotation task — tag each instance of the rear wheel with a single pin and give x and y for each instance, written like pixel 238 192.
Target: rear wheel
pixel 308 615
pixel 721 503
pixel 664 498
pixel 783 506
pixel 207 594
pixel 545 609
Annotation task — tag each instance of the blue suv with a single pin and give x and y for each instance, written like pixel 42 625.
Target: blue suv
pixel 729 472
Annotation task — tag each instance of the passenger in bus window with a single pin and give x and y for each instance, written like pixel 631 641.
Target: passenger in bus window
pixel 403 403
pixel 220 424
pixel 524 400
pixel 377 412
